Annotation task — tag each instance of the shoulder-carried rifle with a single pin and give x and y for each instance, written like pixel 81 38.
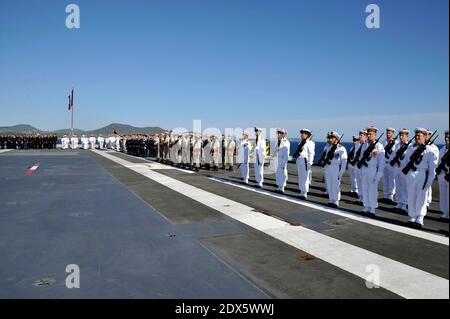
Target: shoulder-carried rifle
pixel 416 157
pixel 399 154
pixel 389 146
pixel 330 154
pixel 367 155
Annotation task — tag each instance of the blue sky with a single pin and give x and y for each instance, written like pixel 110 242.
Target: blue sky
pixel 228 63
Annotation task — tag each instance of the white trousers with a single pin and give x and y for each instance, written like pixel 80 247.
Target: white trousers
pixel 401 189
pixel 353 172
pixel 244 172
pixel 360 184
pixel 389 183
pixel 281 177
pixel 443 195
pixel 417 196
pixel 259 173
pixel 369 188
pixel 304 176
pixel 333 183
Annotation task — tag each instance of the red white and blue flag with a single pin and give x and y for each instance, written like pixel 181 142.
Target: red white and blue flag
pixel 70 100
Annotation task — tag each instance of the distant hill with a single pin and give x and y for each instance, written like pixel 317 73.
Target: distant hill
pixel 125 129
pixel 20 128
pixel 119 128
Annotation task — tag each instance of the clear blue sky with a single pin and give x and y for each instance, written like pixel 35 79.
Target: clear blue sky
pixel 233 62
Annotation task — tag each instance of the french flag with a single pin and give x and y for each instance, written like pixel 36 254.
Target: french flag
pixel 70 100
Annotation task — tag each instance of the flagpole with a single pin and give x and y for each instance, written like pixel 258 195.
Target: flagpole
pixel 71 123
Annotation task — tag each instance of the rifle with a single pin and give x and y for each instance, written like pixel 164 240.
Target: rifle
pixel 322 158
pixel 300 147
pixel 329 156
pixel 367 153
pixel 444 162
pixel 416 157
pixel 389 146
pixel 357 155
pixel 399 154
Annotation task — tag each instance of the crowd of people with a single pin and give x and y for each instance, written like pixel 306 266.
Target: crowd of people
pixel 27 141
pixel 406 163
pixel 406 166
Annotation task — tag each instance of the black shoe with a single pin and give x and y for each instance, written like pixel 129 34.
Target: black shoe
pixel 417 226
pixel 370 215
pixel 301 197
pixel 333 205
pixel 363 213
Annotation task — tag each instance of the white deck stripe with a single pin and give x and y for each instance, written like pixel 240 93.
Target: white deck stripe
pixel 5 150
pixel 152 164
pixel 397 228
pixel 401 279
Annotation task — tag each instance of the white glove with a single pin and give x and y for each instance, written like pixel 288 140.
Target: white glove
pixel 428 184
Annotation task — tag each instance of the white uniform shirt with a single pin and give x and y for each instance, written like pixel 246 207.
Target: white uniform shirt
pixel 244 152
pixel 260 151
pixel 283 150
pixel 308 152
pixel 376 159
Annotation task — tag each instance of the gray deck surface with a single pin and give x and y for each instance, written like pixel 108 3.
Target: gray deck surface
pixel 135 238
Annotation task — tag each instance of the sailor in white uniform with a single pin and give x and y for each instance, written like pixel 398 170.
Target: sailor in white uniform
pixel 372 166
pixel 92 140
pixel 244 157
pixel 435 150
pixel 117 146
pixel 401 190
pixel 101 141
pixel 84 142
pixel 335 168
pixel 65 142
pixel 230 146
pixel 419 176
pixel 304 156
pixel 362 141
pixel 442 171
pixel 197 153
pixel 283 149
pixel 352 168
pixel 259 157
pixel 216 150
pixel 74 142
pixel 388 179
pixel 112 141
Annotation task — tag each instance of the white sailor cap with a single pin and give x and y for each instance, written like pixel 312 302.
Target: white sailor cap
pixel 372 128
pixel 430 132
pixel 363 131
pixel 305 130
pixel 281 130
pixel 355 138
pixel 334 134
pixel 258 129
pixel 391 129
pixel 404 131
pixel 421 130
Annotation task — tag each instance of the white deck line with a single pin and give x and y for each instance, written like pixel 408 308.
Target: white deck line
pixel 397 228
pixel 152 164
pixel 399 278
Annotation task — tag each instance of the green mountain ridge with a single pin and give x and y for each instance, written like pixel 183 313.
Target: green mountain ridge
pixel 106 130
